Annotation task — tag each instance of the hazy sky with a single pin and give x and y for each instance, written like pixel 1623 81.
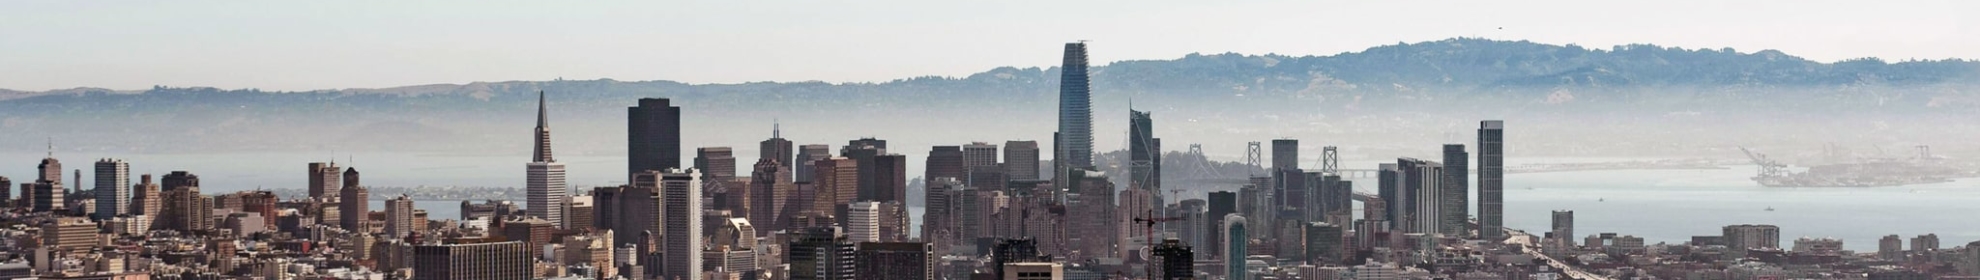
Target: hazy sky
pixel 300 45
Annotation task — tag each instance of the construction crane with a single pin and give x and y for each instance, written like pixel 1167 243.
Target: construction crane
pixel 1148 232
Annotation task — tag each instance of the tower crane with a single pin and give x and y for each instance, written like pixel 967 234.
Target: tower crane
pixel 1148 232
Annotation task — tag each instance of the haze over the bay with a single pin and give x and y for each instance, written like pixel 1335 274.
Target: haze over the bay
pixel 368 44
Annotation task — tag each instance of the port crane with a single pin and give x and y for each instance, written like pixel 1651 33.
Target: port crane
pixel 1768 167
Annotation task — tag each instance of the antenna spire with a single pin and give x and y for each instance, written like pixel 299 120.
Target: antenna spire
pixel 51 147
pixel 776 128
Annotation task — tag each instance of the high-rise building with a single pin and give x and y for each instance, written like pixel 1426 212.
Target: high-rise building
pixel 545 178
pixel 1422 181
pixel 113 188
pixel 1335 198
pixel 680 194
pixel 806 157
pixel 1395 199
pixel 1075 140
pixel 653 136
pixel 145 197
pixel 178 179
pixel 533 232
pixel 979 154
pixel 472 261
pixel 1454 194
pixel 1235 243
pixel 820 253
pixel 1021 160
pixel 894 261
pixel 1221 204
pixel 1175 259
pixel 770 193
pixel 399 216
pixel 1325 244
pixel 717 164
pixel 1096 227
pixel 837 184
pixel 1740 238
pixel 1491 180
pixel 580 212
pixel 944 161
pixel 47 196
pixel 863 221
pixel 890 178
pixel 322 181
pixel 1285 154
pixel 1925 244
pixel 184 209
pixel 1144 154
pixel 777 148
pixel 1891 247
pixel 1035 270
pixel 631 211
pixel 50 168
pixel 1564 226
pixel 355 204
pixel 6 192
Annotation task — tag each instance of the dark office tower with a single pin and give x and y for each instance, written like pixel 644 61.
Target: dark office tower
pixel 1175 260
pixel 1456 189
pixel 145 198
pixel 939 210
pixel 323 181
pixel 1015 250
pixel 890 178
pixel 806 156
pixel 1075 142
pixel 1285 154
pixel 820 253
pixel 1491 179
pixel 866 152
pixel 184 209
pixel 47 196
pixel 716 164
pixel 1421 180
pixel 1144 153
pixel 867 142
pixel 1021 160
pixel 1325 244
pixel 493 260
pixel 630 210
pixel 6 191
pixel 178 179
pixel 1394 197
pixel 979 155
pixel 653 136
pixel 356 204
pixel 1336 199
pixel 944 162
pixel 894 261
pixel 1564 225
pixel 1221 203
pixel 681 233
pixel 770 193
pixel 837 184
pixel 776 148
pixel 113 188
pixel 27 196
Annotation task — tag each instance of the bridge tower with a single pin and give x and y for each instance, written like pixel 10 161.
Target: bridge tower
pixel 1251 158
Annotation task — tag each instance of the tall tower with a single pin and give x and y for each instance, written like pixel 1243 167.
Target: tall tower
pixel 546 176
pixel 1075 111
pixel 653 136
pixel 113 188
pixel 50 168
pixel 355 205
pixel 399 216
pixel 1144 153
pixel 322 181
pixel 680 194
pixel 1491 180
pixel 778 149
pixel 1455 192
pixel 1235 244
pixel 1021 160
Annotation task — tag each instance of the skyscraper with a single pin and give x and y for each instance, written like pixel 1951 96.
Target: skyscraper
pixel 1144 154
pixel 1221 203
pixel 631 210
pixel 1175 259
pixel 178 179
pixel 1421 181
pixel 979 154
pixel 1021 160
pixel 890 178
pixel 944 161
pixel 837 184
pixel 1395 199
pixel 717 164
pixel 1564 225
pixel 1075 140
pixel 1285 154
pixel 1325 243
pixel 777 148
pixel 113 188
pixel 355 204
pixel 1491 180
pixel 184 208
pixel 770 194
pixel 322 181
pixel 1235 244
pixel 399 216
pixel 1456 189
pixel 863 221
pixel 47 196
pixel 545 178
pixel 1739 238
pixel 806 156
pixel 6 192
pixel 820 253
pixel 50 168
pixel 653 136
pixel 680 194
pixel 471 261
pixel 146 197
